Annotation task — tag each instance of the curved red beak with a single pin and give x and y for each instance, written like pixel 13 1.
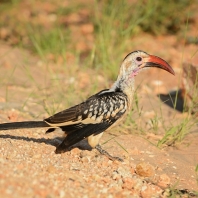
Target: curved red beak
pixel 154 61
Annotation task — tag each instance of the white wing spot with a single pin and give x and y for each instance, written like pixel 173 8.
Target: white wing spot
pixel 123 110
pixel 108 115
pixel 90 115
pixel 113 114
pixel 121 106
pixel 93 117
pixel 99 119
pixel 79 117
pixel 85 112
pixel 105 110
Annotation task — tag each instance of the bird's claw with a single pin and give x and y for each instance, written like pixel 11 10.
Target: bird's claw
pixel 103 152
pixel 117 159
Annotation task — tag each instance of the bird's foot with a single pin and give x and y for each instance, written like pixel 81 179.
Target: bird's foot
pixel 103 152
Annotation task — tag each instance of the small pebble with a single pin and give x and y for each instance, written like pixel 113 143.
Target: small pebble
pixel 145 169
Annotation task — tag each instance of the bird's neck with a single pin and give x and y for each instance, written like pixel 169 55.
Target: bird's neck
pixel 125 85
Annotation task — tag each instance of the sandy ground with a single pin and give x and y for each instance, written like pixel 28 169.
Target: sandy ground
pixel 28 165
pixel 30 168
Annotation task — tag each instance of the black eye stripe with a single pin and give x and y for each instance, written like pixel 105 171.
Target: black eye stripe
pixel 139 58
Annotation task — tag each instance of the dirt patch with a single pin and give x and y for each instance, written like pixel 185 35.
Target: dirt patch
pixel 33 89
pixel 29 166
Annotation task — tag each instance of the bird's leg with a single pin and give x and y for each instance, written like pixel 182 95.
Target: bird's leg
pixel 103 152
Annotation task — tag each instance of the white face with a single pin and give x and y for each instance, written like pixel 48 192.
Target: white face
pixel 132 62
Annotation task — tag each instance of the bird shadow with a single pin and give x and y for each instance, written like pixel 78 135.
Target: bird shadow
pixel 173 99
pixel 27 139
pixel 82 145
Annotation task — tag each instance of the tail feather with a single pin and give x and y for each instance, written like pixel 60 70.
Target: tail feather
pixel 23 125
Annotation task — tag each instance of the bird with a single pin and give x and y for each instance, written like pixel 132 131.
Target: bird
pixel 92 117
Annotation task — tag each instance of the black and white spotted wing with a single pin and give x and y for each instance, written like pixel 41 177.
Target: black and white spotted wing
pixel 93 116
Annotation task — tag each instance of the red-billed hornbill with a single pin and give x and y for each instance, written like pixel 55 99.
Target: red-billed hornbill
pixel 92 117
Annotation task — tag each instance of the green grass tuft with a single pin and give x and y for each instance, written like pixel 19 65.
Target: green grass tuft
pixel 54 41
pixel 176 133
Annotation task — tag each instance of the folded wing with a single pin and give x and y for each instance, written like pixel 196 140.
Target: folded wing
pixel 93 116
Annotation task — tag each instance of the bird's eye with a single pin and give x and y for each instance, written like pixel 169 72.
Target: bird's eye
pixel 139 59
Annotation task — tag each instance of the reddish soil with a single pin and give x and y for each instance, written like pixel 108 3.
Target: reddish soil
pixel 30 168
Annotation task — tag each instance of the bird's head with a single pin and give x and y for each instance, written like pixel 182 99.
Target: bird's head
pixel 134 62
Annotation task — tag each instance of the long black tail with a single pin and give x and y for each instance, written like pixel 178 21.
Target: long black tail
pixel 23 125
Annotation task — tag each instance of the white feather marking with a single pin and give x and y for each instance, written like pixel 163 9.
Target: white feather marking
pixel 105 110
pixel 99 119
pixel 115 112
pixel 85 112
pixel 121 106
pixel 90 115
pixel 85 121
pixel 123 110
pixel 108 114
pixel 79 117
pixel 93 117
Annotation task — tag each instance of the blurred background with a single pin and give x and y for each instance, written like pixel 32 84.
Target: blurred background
pixel 54 54
pixel 57 53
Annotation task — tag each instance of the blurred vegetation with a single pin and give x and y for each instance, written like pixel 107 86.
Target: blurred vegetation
pixel 97 35
pixel 115 23
pixel 163 17
pixel 54 41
